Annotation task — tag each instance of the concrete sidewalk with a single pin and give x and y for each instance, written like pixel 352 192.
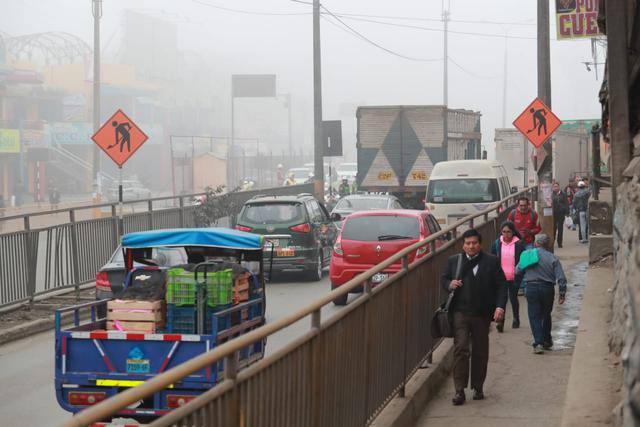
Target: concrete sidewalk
pixel 524 389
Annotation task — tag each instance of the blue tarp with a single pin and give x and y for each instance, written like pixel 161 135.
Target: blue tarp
pixel 212 237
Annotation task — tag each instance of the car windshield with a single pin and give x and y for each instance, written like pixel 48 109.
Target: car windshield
pixel 467 190
pixel 361 204
pixel 381 227
pixel 273 213
pixel 165 257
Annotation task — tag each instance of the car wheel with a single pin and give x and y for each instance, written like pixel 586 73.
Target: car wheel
pixel 316 274
pixel 340 301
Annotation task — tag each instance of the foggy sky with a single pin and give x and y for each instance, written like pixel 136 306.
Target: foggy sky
pixel 354 72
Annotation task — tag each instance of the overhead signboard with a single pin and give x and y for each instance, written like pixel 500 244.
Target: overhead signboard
pixel 119 137
pixel 9 141
pixel 253 85
pixel 332 138
pixel 537 122
pixel 576 19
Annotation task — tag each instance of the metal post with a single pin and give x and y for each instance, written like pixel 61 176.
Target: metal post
pixel 445 85
pixel 75 254
pixel 504 83
pixel 120 205
pixel 595 158
pixel 616 13
pixel 97 14
pixel 231 175
pixel 318 161
pixel 545 213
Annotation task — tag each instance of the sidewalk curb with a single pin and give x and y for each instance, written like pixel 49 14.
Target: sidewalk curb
pixel 593 389
pixel 420 389
pixel 26 330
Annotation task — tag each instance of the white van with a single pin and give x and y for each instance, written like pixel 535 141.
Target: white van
pixel 461 187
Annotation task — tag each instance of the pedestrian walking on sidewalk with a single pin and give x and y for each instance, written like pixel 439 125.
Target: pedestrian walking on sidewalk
pixel 540 278
pixel 479 295
pixel 581 203
pixel 526 220
pixel 508 248
pixel 560 211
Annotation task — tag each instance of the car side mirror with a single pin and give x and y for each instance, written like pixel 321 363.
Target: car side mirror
pixel 447 236
pixel 514 190
pixel 336 217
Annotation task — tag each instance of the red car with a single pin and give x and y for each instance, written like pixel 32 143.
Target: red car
pixel 369 237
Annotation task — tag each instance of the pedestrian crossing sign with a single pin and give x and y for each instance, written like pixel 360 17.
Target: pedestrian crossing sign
pixel 537 122
pixel 119 137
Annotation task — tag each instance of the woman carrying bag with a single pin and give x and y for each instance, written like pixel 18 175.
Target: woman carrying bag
pixel 508 248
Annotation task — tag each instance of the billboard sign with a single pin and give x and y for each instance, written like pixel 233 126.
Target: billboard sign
pixel 253 85
pixel 577 19
pixel 9 141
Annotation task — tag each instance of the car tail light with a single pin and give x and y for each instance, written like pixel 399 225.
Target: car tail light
pixel 243 228
pixel 301 228
pixel 102 281
pixel 337 249
pixel 81 398
pixel 177 400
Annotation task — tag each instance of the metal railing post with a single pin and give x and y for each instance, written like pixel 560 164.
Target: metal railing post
pixel 150 210
pixel 405 263
pixel 181 204
pixel 27 224
pixel 32 264
pixel 231 374
pixel 75 255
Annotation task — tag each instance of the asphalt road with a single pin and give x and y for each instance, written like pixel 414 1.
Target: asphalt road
pixel 27 396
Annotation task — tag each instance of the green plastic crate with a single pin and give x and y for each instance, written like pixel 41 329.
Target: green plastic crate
pixel 220 288
pixel 181 287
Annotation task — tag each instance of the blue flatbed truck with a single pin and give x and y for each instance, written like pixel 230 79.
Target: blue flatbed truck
pixel 93 363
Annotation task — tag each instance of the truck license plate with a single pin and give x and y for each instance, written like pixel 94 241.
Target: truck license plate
pixel 138 366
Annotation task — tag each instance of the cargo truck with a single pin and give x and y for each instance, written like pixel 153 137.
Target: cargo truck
pixel 397 146
pixel 571 154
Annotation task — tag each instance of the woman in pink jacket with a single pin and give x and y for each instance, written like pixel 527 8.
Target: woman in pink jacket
pixel 508 248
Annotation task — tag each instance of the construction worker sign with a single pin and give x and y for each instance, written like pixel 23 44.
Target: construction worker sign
pixel 119 137
pixel 537 122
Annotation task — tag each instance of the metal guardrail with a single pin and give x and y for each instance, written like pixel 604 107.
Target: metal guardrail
pixel 41 259
pixel 344 370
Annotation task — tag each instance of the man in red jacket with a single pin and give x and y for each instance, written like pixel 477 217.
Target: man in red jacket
pixel 526 221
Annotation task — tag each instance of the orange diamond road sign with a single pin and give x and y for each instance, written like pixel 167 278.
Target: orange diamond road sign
pixel 119 137
pixel 537 122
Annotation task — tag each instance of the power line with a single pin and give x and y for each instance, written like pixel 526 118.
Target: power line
pixel 417 27
pixel 470 72
pixel 409 18
pixel 250 12
pixel 354 32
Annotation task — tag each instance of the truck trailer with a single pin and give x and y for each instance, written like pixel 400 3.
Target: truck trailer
pixel 397 146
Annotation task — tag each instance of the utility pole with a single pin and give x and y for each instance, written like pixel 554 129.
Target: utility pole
pixel 504 85
pixel 318 159
pixel 97 14
pixel 445 83
pixel 617 61
pixel 545 173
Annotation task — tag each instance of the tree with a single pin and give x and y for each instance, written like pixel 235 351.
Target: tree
pixel 215 205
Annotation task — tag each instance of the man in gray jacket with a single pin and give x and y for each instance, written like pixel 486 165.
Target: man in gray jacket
pixel 539 280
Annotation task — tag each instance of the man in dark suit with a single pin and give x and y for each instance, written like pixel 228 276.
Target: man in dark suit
pixel 480 295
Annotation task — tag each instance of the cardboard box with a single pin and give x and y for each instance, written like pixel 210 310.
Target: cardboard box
pixel 149 327
pixel 134 315
pixel 134 304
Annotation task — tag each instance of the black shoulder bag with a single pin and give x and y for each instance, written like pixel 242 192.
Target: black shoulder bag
pixel 442 322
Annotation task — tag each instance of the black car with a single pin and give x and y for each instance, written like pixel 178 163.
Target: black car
pixel 302 232
pixel 110 278
pixel 364 202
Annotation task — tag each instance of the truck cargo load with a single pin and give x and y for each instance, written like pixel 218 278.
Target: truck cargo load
pixel 398 145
